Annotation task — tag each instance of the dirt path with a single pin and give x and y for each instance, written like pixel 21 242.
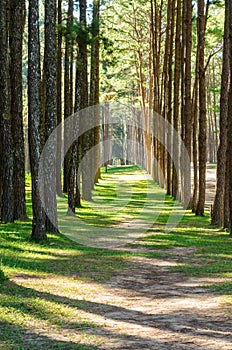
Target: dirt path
pixel 160 309
pixel 150 307
pixel 146 306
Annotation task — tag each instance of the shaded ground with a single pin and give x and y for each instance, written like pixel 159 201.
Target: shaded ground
pixel 148 305
pixel 162 309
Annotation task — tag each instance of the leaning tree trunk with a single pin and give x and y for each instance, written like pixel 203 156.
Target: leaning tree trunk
pixel 34 115
pixel 17 19
pixel 7 196
pixel 218 206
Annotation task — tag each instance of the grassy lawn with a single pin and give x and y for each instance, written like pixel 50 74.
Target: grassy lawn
pixel 48 284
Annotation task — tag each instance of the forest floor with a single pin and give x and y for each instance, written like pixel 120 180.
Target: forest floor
pixel 166 290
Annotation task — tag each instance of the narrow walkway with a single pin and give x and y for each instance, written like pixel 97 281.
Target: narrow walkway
pixel 147 306
pixel 153 307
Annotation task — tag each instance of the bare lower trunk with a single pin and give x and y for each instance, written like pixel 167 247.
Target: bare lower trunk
pixel 202 108
pixel 38 222
pixel 217 212
pixel 17 18
pixel 6 169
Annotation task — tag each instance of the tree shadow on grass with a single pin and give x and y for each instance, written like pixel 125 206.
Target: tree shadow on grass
pixel 181 321
pixel 14 337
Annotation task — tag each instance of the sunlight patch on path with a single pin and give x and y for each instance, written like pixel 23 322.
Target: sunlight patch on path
pixel 137 204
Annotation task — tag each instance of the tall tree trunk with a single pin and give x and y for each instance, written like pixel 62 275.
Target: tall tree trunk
pixel 67 107
pixel 17 19
pixel 7 200
pixel 183 60
pixel 187 102
pixel 201 27
pixel 218 206
pixel 229 128
pixel 195 149
pixel 81 98
pixel 38 222
pixel 226 199
pixel 50 113
pixel 59 98
pixel 165 87
pixel 176 107
pixel 82 103
pixel 169 99
pixel 94 88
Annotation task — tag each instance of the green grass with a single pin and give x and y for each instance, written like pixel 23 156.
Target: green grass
pixel 2 276
pixel 60 274
pixel 121 200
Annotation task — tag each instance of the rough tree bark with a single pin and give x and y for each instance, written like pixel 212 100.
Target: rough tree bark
pixel 59 97
pixel 187 108
pixel 6 168
pixel 218 206
pixel 17 20
pixel 94 89
pixel 169 99
pixel 67 107
pixel 229 122
pixel 38 222
pixel 50 113
pixel 201 27
pixel 176 107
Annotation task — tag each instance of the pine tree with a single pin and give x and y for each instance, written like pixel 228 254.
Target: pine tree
pixel 218 206
pixel 6 148
pixel 50 112
pixel 34 117
pixel 17 20
pixel 201 28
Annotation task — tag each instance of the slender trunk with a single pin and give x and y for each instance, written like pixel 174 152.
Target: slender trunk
pixel 218 206
pixel 17 18
pixel 38 222
pixel 195 149
pixel 82 103
pixel 169 99
pixel 7 200
pixel 229 128
pixel 72 152
pixel 50 113
pixel 94 89
pixel 59 98
pixel 176 107
pixel 67 107
pixel 187 104
pixel 201 26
